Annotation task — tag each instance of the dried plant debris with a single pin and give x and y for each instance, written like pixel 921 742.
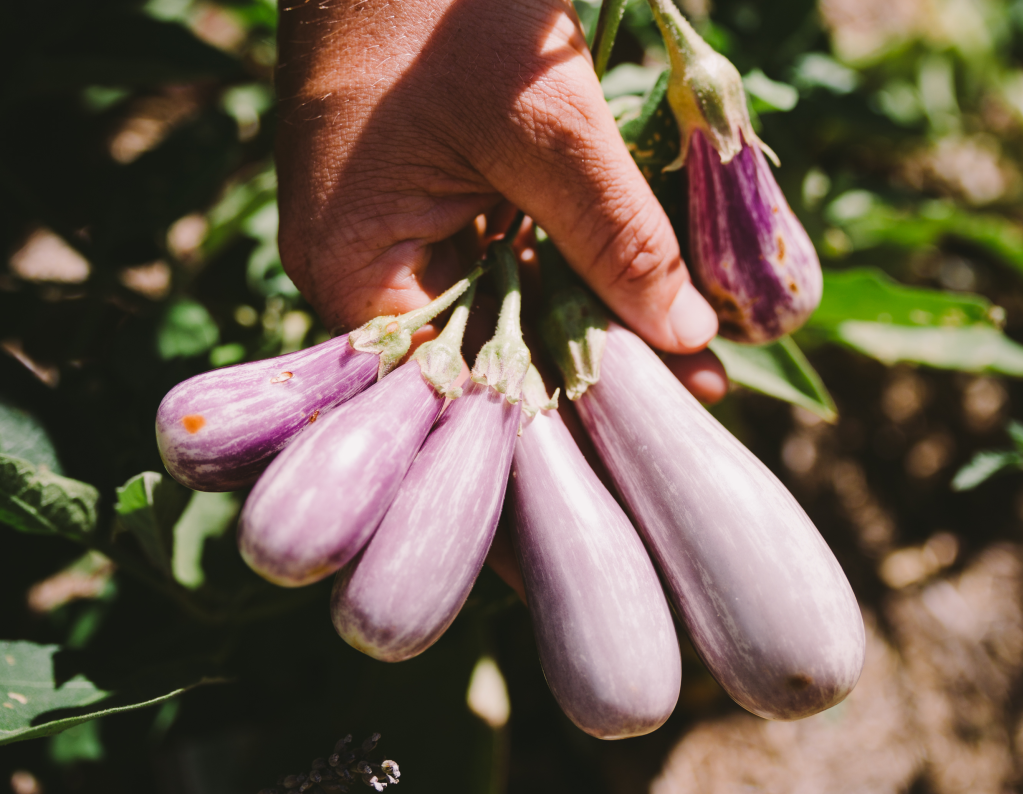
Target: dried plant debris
pixel 347 767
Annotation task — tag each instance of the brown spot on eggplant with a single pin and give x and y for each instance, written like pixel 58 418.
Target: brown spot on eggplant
pixel 314 416
pixel 781 248
pixel 282 377
pixel 193 423
pixel 799 682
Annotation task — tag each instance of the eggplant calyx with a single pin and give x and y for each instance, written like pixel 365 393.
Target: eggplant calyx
pixel 705 90
pixel 440 360
pixel 575 330
pixel 390 335
pixel 534 394
pixel 502 362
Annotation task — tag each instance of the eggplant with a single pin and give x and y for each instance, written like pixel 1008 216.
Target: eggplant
pixel 397 597
pixel 750 256
pixel 319 500
pixel 402 592
pixel 603 628
pixel 764 600
pixel 219 430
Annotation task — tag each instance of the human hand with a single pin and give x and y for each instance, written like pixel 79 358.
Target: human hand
pixel 403 120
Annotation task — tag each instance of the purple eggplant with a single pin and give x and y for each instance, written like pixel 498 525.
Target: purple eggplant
pixel 320 500
pixel 402 592
pixel 397 597
pixel 603 628
pixel 763 598
pixel 219 430
pixel 750 256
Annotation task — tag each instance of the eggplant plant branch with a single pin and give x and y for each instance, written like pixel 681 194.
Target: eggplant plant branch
pixel 611 13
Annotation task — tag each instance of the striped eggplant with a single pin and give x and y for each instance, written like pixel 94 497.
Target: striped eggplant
pixel 320 500
pixel 749 254
pixel 763 598
pixel 219 430
pixel 401 593
pixel 397 597
pixel 603 627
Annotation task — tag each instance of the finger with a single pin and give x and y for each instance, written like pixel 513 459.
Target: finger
pixel 572 172
pixel 702 374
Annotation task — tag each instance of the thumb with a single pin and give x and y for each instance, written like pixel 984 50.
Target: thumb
pixel 582 186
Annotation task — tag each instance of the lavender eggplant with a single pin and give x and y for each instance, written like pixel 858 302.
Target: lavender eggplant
pixel 402 592
pixel 765 603
pixel 321 499
pixel 405 588
pixel 749 254
pixel 219 430
pixel 603 628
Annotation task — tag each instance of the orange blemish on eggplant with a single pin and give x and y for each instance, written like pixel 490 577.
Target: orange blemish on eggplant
pixel 774 210
pixel 315 414
pixel 391 327
pixel 781 248
pixel 282 377
pixel 193 423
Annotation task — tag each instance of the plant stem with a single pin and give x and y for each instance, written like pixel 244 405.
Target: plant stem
pixel 611 13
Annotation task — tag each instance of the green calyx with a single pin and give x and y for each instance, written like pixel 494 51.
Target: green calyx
pixel 502 362
pixel 574 326
pixel 534 394
pixel 440 360
pixel 390 336
pixel 705 91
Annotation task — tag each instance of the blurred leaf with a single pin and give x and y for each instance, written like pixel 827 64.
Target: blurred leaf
pixel 225 355
pixel 1015 431
pixel 265 274
pixel 767 95
pixel 186 330
pixel 79 743
pixel 977 348
pixel 870 222
pixel 38 501
pixel 41 701
pixel 870 295
pixel 817 70
pixel 983 466
pixel 148 506
pixel 23 436
pixel 629 78
pixel 778 369
pixel 208 515
pixel 227 219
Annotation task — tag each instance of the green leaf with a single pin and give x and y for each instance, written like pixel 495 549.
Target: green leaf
pixel 977 348
pixel 867 294
pixel 629 78
pixel 34 499
pixel 242 201
pixel 778 369
pixel 869 222
pixel 208 515
pixel 1015 431
pixel 38 699
pixel 148 506
pixel 186 329
pixel 767 95
pixel 866 310
pixel 652 137
pixel 983 466
pixel 79 743
pixel 23 436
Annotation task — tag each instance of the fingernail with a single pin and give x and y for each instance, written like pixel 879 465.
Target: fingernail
pixel 691 318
